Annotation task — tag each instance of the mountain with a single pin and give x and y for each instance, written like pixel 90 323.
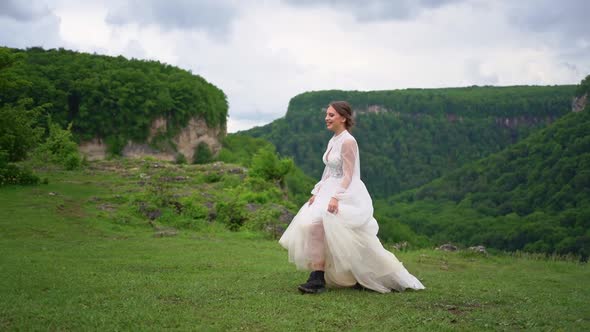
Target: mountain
pixel 117 106
pixel 533 195
pixel 410 137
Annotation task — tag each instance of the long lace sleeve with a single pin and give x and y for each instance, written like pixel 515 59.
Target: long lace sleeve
pixel 318 185
pixel 349 157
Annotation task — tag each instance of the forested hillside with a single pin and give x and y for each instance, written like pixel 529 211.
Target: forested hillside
pixel 410 137
pixel 112 98
pixel 534 195
pixel 115 99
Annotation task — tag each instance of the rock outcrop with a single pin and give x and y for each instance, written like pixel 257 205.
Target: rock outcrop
pixel 515 121
pixel 579 103
pixel 479 249
pixel 447 247
pixel 508 122
pixel 94 149
pixel 185 142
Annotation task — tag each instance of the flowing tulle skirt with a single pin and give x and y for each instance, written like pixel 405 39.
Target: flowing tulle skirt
pixel 353 253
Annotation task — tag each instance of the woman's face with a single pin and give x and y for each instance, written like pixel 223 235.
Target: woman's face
pixel 334 121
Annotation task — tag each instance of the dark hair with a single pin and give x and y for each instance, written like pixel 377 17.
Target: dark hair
pixel 343 108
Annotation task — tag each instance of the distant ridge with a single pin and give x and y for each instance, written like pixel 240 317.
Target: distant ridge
pixel 410 137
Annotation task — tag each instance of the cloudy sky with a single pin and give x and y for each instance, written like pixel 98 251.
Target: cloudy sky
pixel 262 53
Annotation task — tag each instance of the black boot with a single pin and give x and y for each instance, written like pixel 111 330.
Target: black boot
pixel 358 286
pixel 315 284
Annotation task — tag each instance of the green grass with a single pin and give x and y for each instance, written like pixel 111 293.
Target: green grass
pixel 68 265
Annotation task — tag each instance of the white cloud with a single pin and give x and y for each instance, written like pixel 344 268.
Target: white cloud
pixel 84 27
pixel 377 10
pixel 213 16
pixel 19 11
pixel 28 25
pixel 234 125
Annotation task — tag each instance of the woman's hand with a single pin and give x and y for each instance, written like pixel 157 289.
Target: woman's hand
pixel 311 199
pixel 333 206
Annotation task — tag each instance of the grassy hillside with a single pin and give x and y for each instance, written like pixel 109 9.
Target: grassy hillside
pixel 76 255
pixel 242 149
pixel 411 137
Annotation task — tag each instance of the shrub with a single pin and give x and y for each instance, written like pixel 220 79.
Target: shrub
pixel 180 159
pixel 267 165
pixel 202 154
pixel 194 210
pixel 159 190
pixel 18 131
pixel 115 145
pixel 13 174
pixel 232 213
pixel 266 219
pixel 59 148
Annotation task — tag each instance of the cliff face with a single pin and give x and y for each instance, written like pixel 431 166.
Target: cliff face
pixel 185 142
pixel 579 103
pixel 94 149
pixel 509 122
pixel 515 121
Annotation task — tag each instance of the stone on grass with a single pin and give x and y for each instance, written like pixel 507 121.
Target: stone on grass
pixel 447 247
pixel 479 249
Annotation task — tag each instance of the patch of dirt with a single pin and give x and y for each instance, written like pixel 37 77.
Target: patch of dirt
pixel 71 209
pixel 6 323
pixel 107 207
pixel 175 299
pixel 166 233
pixel 148 212
pixel 41 232
pixel 178 207
pixel 458 309
pixel 160 231
pixel 178 178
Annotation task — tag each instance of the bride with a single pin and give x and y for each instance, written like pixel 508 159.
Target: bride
pixel 334 234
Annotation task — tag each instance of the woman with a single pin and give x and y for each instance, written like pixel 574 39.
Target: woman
pixel 334 234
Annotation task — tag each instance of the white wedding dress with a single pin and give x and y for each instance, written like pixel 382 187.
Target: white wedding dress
pixel 352 252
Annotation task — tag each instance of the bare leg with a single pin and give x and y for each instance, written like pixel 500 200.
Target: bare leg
pixel 316 250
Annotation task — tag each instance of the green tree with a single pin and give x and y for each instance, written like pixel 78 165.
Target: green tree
pixel 18 130
pixel 267 165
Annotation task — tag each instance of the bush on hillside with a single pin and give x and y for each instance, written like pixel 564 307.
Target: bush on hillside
pixel 18 131
pixel 13 174
pixel 202 154
pixel 267 165
pixel 59 148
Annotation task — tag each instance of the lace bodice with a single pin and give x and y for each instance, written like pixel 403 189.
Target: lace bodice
pixel 341 160
pixel 333 161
